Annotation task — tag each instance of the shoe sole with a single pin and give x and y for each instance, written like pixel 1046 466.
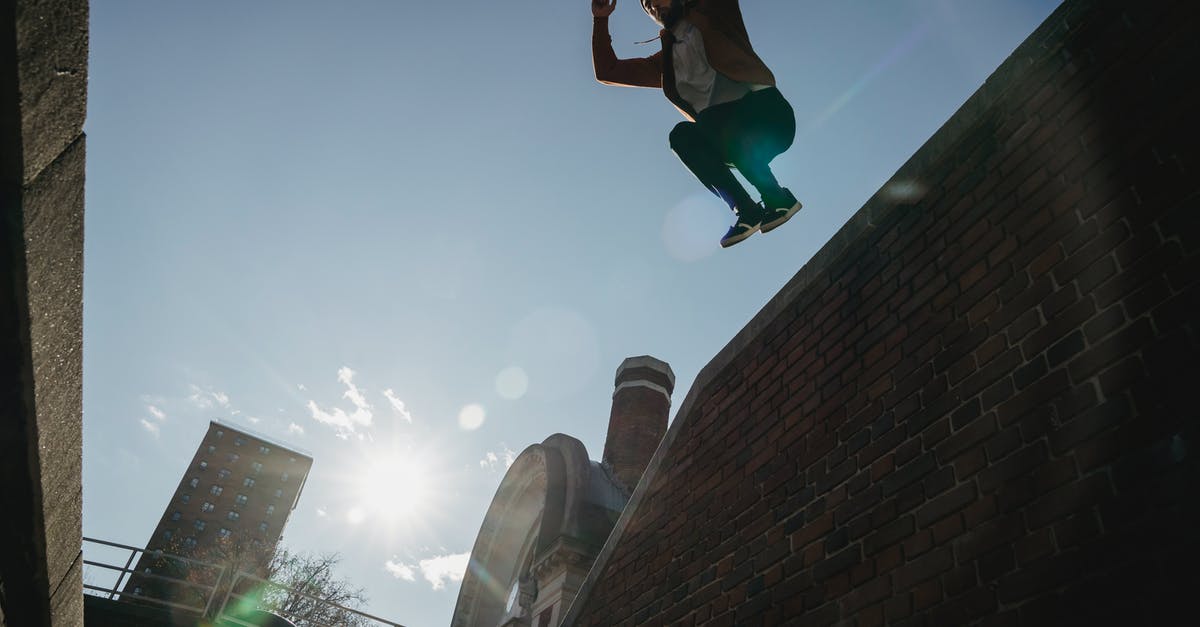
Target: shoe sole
pixel 726 243
pixel 778 222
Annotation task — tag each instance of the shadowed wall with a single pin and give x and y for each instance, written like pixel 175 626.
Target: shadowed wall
pixel 976 402
pixel 43 83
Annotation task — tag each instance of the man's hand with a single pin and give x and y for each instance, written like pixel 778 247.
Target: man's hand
pixel 603 8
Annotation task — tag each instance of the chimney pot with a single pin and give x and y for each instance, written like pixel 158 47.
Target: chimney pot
pixel 638 421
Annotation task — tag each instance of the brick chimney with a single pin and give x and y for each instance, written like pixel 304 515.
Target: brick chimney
pixel 641 402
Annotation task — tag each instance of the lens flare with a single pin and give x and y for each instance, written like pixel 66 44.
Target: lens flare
pixel 692 229
pixel 471 417
pixel 512 383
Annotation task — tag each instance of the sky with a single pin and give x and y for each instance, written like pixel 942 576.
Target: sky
pixel 414 238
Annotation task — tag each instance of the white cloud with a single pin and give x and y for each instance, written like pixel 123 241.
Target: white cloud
pixel 301 387
pixel 295 429
pixel 397 405
pixel 438 570
pixel 321 513
pixel 346 376
pixel 156 412
pixel 400 570
pixel 345 423
pixel 152 427
pixel 253 420
pixel 491 460
pixel 207 399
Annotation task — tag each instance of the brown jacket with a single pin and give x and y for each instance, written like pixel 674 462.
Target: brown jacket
pixel 725 41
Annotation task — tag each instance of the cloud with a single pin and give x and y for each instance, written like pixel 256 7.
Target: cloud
pixel 301 386
pixel 397 405
pixel 345 423
pixel 438 570
pixel 346 376
pixel 207 399
pixel 321 513
pixel 152 427
pixel 400 570
pixel 295 429
pixel 156 412
pixel 491 460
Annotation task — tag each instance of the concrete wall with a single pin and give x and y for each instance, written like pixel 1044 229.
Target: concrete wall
pixel 977 402
pixel 43 83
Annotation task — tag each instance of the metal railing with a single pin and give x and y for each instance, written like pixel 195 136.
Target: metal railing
pixel 114 592
pixel 208 593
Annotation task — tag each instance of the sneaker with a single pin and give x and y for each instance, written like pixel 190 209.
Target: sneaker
pixel 746 225
pixel 779 210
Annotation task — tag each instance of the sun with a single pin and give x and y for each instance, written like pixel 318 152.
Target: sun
pixel 395 488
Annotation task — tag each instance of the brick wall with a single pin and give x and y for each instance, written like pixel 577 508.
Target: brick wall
pixel 975 405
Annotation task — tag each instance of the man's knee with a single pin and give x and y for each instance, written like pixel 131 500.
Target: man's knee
pixel 683 136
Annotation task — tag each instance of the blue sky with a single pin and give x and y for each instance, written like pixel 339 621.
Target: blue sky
pixel 341 225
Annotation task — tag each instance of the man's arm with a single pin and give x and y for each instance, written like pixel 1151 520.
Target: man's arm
pixel 645 72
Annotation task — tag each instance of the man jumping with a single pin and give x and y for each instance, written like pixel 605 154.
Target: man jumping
pixel 737 117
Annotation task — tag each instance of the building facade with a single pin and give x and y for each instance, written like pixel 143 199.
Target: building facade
pixel 555 508
pixel 229 509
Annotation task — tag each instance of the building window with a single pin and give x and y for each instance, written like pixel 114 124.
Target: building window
pixel 233 516
pixel 238 441
pixel 233 457
pixel 223 474
pixel 241 499
pixel 175 515
pixel 184 498
pixel 249 482
pixel 257 466
pixel 217 490
pixel 223 533
pixel 137 589
pixel 283 477
pixel 262 527
pixel 203 465
pixel 189 543
pixel 207 507
pixel 264 450
pixel 219 434
pixel 194 482
pixel 291 460
pixel 270 510
pixel 199 525
pixel 167 535
pixel 211 449
pixel 278 493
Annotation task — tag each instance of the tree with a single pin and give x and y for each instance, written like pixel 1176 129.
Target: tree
pixel 305 575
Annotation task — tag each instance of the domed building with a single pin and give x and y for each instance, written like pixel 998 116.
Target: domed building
pixel 555 508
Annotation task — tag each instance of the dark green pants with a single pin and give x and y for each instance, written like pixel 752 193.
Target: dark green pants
pixel 746 134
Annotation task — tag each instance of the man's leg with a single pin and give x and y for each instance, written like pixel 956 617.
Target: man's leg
pixel 698 151
pixel 761 128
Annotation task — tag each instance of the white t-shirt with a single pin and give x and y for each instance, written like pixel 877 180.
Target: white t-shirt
pixel 698 83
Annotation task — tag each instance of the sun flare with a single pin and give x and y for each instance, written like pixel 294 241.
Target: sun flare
pixel 395 488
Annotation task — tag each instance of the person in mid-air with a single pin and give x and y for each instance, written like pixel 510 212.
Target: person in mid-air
pixel 737 117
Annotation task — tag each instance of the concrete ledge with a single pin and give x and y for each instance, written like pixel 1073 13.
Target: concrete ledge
pixel 52 50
